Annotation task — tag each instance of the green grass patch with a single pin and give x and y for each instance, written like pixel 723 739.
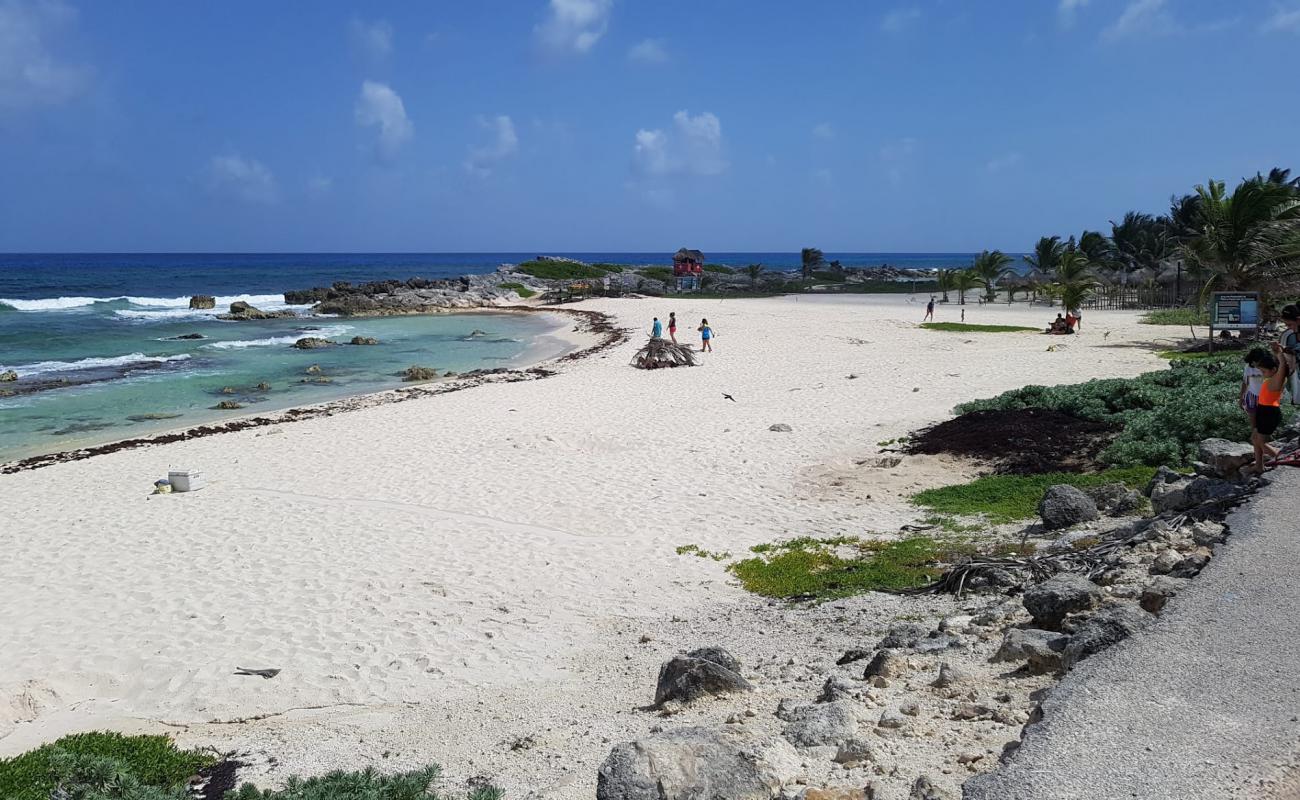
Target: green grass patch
pixel 561 270
pixel 818 569
pixel 962 327
pixel 85 758
pixel 1176 316
pixel 700 552
pixel 519 289
pixel 1178 355
pixel 1009 498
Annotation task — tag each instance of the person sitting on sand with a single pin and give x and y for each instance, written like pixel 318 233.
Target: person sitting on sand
pixel 1268 412
pixel 929 310
pixel 706 336
pixel 1057 326
pixel 657 329
pixel 672 326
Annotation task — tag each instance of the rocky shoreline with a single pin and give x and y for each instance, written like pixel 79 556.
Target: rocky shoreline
pixel 957 683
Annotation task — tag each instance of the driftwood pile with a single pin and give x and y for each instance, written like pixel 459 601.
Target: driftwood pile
pixel 662 353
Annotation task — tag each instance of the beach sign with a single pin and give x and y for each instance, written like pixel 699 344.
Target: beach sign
pixel 1234 311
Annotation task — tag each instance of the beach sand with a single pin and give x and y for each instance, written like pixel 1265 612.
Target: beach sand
pixel 467 578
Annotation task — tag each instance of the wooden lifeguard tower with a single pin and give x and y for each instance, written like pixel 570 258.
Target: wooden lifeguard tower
pixel 688 270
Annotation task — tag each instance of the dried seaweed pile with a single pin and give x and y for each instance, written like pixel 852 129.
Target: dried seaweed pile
pixel 662 353
pixel 1021 441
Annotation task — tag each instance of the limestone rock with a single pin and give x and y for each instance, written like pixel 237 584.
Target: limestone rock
pixel 203 302
pixel 1208 533
pixel 886 664
pixel 780 427
pixel 1170 496
pixel 694 764
pixel 924 789
pixel 1191 564
pixel 1226 458
pixel 1063 506
pixel 1165 561
pixel 686 679
pixel 950 675
pixel 229 405
pixel 1157 593
pixel 312 343
pixel 1164 475
pixel 417 373
pixel 1040 649
pixel 822 724
pixel 891 720
pixel 902 636
pixel 1052 600
pixel 367 340
pixel 1111 625
pixel 837 688
pixel 8 376
pixel 1203 489
pixel 854 750
pixel 718 656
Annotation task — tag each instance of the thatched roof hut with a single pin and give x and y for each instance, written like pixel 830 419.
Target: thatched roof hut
pixel 662 353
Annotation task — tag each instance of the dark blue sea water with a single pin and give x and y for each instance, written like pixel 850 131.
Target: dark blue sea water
pixel 94 338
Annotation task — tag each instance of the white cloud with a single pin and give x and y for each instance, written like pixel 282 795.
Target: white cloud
pixel 30 74
pixel 900 19
pixel 573 26
pixel 1003 163
pixel 244 178
pixel 381 107
pixel 648 51
pixel 1143 18
pixel 823 130
pixel 897 158
pixel 692 147
pixel 1068 11
pixel 1284 20
pixel 505 143
pixel 371 40
pixel 650 152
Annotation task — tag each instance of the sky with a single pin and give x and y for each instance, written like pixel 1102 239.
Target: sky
pixel 625 125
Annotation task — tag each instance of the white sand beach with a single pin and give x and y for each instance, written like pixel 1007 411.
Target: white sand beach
pixel 467 578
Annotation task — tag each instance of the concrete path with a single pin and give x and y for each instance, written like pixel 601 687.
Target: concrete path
pixel 1204 704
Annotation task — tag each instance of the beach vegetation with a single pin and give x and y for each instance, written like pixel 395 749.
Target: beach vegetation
pixel 810 258
pixel 1162 416
pixel 700 552
pixel 519 289
pixel 102 764
pixel 1189 317
pixel 754 271
pixel 990 267
pixel 608 267
pixel 962 327
pixel 561 270
pixel 963 280
pixel 1247 240
pixel 825 569
pixel 658 274
pixel 719 268
pixel 366 784
pixel 946 281
pixel 1073 281
pixel 828 276
pixel 1001 499
pixel 1046 257
pixel 1179 355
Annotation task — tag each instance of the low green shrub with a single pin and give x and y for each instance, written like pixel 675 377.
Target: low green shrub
pixel 100 761
pixel 1163 415
pixel 560 270
pixel 608 267
pixel 719 269
pixel 1009 498
pixel 658 273
pixel 962 327
pixel 519 289
pixel 828 276
pixel 1176 316
pixel 366 784
pixel 812 568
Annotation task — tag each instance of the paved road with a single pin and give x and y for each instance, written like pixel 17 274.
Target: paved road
pixel 1204 704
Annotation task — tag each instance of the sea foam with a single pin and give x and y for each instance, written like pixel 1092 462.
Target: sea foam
pixel 323 332
pixel 147 305
pixel 44 367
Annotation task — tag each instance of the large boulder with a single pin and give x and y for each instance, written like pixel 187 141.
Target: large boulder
pixel 312 343
pixel 418 373
pixel 686 679
pixel 886 664
pixel 1063 506
pixel 1203 489
pixel 697 764
pixel 1114 499
pixel 1169 496
pixel 1051 601
pixel 203 302
pixel 1040 649
pixel 1110 625
pixel 821 724
pixel 8 376
pixel 1226 458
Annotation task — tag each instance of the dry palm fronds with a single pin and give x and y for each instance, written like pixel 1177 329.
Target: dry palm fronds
pixel 662 353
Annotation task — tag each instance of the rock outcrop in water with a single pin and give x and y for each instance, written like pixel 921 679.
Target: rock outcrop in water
pixel 239 311
pixel 203 302
pixel 8 375
pixel 414 296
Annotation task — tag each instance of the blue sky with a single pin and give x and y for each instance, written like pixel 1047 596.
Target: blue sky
pixel 639 125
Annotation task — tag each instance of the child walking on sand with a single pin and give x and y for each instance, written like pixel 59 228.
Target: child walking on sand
pixel 706 336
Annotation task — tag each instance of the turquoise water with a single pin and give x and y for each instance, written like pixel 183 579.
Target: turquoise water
pixel 108 371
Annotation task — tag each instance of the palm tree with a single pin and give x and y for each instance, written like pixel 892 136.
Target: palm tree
pixel 946 280
pixel 754 271
pixel 963 280
pixel 1141 241
pixel 1047 254
pixel 989 268
pixel 811 258
pixel 1249 239
pixel 1073 280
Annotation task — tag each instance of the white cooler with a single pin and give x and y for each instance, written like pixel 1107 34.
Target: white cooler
pixel 185 480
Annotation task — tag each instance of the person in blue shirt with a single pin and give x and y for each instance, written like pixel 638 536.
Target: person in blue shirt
pixel 657 330
pixel 706 336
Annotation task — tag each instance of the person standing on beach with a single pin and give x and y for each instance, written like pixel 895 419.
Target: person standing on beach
pixel 929 310
pixel 1251 380
pixel 706 336
pixel 672 326
pixel 657 329
pixel 1268 413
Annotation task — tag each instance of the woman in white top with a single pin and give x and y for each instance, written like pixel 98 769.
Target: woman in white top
pixel 1251 379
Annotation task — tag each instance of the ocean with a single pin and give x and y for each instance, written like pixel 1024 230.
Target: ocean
pixel 100 333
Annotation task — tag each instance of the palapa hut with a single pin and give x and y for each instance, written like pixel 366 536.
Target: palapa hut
pixel 663 353
pixel 688 267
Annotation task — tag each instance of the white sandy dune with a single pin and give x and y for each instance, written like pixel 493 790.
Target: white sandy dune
pixel 438 576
